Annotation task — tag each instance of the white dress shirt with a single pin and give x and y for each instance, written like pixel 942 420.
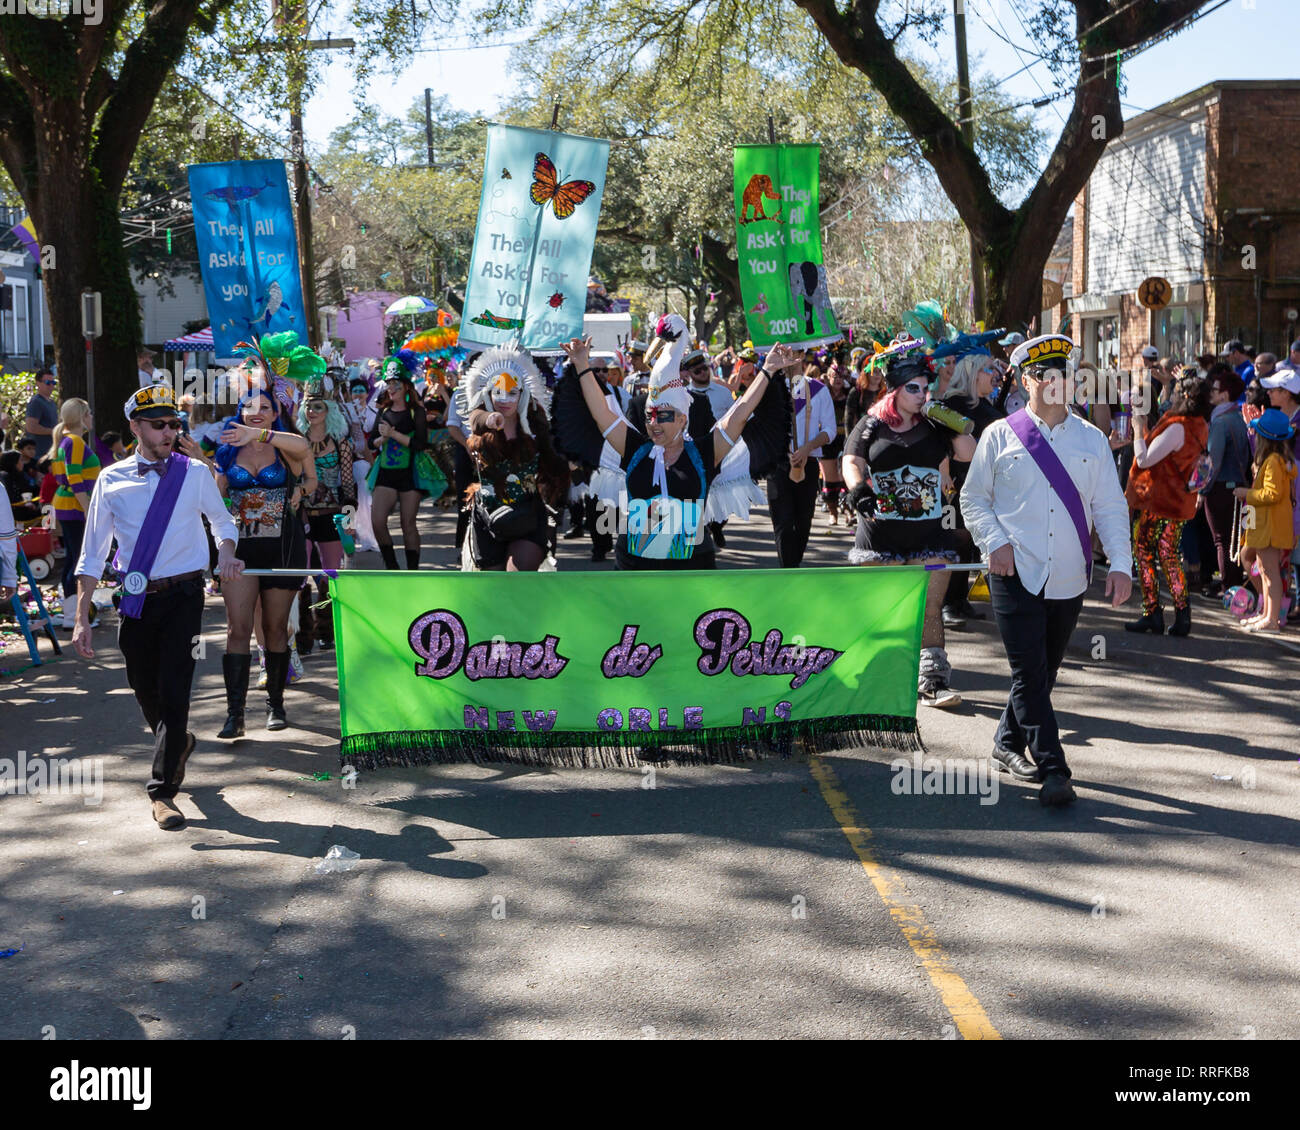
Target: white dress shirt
pixel 8 544
pixel 1006 500
pixel 120 502
pixel 718 396
pixel 821 418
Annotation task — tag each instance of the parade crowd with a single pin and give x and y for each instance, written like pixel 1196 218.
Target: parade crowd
pixel 916 451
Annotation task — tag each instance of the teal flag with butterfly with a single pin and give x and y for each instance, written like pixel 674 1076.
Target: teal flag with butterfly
pixel 536 230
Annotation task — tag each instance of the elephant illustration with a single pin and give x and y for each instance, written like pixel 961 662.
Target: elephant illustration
pixel 758 189
pixel 808 284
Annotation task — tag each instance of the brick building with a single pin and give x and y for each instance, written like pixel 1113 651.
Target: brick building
pixel 1201 191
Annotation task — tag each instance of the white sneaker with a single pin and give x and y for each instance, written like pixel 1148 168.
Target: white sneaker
pixel 69 620
pixel 942 698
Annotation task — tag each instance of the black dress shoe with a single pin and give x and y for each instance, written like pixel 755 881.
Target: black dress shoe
pixel 965 608
pixel 573 532
pixel 1056 790
pixel 1018 766
pixel 598 555
pixel 952 620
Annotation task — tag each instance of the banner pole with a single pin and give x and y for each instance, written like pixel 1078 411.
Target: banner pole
pixel 945 568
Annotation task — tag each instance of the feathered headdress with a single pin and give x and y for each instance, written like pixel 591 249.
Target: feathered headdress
pixel 884 353
pixel 284 360
pixel 964 344
pixel 929 321
pixel 508 365
pixel 399 366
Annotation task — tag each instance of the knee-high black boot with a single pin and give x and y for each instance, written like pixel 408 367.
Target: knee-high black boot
pixel 306 635
pixel 389 554
pixel 277 670
pixel 324 619
pixel 234 667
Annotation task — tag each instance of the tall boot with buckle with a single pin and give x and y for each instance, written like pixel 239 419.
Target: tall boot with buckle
pixel 234 667
pixel 277 670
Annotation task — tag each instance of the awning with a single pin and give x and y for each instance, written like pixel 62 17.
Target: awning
pixel 191 343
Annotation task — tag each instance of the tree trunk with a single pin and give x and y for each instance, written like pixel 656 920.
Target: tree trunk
pixel 1015 244
pixel 78 219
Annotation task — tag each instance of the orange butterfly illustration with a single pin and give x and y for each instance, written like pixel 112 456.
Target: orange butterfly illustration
pixel 564 198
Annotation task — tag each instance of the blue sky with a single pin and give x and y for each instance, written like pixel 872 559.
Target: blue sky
pixel 1244 39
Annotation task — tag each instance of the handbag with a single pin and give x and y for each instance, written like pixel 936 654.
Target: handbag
pixel 1202 474
pixel 513 521
pixel 427 474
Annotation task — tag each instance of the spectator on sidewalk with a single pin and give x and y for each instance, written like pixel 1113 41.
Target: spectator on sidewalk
pixel 1230 453
pixel 147 374
pixel 1236 356
pixel 8 552
pixel 42 414
pixel 1163 461
pixel 75 467
pixel 1271 498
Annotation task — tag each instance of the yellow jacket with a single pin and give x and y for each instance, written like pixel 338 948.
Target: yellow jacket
pixel 1271 499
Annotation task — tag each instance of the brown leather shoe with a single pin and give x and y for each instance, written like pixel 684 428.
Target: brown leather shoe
pixel 167 814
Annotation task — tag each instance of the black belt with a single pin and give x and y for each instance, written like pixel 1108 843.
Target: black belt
pixel 167 582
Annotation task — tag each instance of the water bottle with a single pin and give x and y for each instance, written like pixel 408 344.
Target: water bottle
pixel 940 413
pixel 349 542
pixel 1124 417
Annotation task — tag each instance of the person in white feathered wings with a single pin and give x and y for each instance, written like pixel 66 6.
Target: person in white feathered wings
pixel 673 468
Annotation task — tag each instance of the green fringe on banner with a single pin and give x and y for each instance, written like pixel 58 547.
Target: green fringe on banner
pixel 622 749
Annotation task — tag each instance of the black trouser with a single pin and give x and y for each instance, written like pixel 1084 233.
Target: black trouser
pixel 464 468
pixel 792 506
pixel 159 652
pixel 600 524
pixel 1035 632
pixel 74 533
pixel 1218 506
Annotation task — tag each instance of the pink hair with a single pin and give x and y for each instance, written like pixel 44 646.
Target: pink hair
pixel 885 409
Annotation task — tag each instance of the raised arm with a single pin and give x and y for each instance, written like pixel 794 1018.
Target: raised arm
pixel 733 423
pixel 611 426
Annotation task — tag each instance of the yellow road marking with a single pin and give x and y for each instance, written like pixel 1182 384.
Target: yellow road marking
pixel 966 1011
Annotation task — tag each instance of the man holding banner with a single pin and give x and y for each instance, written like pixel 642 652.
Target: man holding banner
pixel 1039 480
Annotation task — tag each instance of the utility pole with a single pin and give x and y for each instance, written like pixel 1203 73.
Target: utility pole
pixel 966 115
pixel 291 20
pixel 428 126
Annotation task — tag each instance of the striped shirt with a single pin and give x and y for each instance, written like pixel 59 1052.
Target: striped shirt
pixel 75 469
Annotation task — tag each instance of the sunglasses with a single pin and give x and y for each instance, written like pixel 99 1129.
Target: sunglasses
pixel 161 425
pixel 600 368
pixel 661 415
pixel 914 387
pixel 49 384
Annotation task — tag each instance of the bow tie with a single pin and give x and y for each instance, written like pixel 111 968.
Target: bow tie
pixel 144 468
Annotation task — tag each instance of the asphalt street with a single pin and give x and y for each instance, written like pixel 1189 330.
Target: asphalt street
pixel 776 899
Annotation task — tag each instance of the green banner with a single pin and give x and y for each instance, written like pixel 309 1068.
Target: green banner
pixel 779 246
pixel 601 669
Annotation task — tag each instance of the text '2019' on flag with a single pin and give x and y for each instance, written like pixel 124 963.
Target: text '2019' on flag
pixel 592 669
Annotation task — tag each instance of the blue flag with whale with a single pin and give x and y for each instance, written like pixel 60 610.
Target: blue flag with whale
pixel 248 251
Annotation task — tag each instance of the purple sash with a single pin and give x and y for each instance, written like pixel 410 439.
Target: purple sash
pixel 151 535
pixel 1058 478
